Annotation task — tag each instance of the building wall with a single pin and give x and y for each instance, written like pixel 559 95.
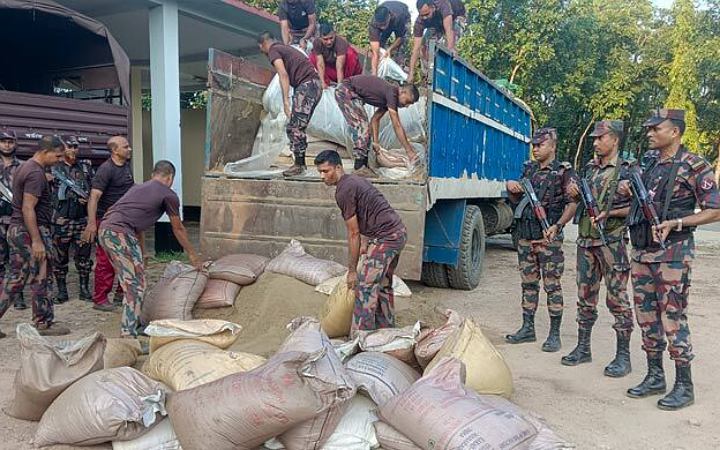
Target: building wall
pixel 193 152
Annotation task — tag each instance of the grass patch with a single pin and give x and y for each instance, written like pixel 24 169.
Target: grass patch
pixel 166 257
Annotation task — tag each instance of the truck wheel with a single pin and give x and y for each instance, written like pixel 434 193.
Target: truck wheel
pixel 435 275
pixel 466 276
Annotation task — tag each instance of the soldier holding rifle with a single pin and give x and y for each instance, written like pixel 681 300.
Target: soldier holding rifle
pixel 601 247
pixel 539 228
pixel 676 183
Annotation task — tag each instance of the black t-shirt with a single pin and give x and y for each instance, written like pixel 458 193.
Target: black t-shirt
pixel 298 66
pixel 356 196
pixel 296 12
pixel 399 20
pixel 30 179
pixel 114 181
pixel 375 91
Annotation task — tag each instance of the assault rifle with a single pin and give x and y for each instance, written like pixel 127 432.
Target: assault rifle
pixel 5 193
pixel 535 204
pixel 648 209
pixel 592 208
pixel 70 184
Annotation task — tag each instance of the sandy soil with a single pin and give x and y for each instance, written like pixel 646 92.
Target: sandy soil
pixel 581 404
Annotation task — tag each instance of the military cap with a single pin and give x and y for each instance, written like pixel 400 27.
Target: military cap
pixel 604 127
pixel 8 134
pixel 543 134
pixel 71 140
pixel 661 115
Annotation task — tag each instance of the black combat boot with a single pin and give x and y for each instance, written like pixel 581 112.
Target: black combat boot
pixel 620 366
pixel 581 353
pixel 552 343
pixel 654 382
pixel 85 293
pixel 526 333
pixel 62 293
pixel 682 394
pixel 19 302
pixel 298 168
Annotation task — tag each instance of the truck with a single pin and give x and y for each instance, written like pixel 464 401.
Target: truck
pixel 478 137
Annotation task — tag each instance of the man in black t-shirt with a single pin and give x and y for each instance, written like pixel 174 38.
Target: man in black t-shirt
pixel 30 238
pixel 366 213
pixel 392 17
pixel 298 21
pixel 112 180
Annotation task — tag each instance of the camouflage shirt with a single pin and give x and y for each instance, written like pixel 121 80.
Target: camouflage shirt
pixel 6 177
pixel 599 178
pixel 66 202
pixel 553 180
pixel 694 182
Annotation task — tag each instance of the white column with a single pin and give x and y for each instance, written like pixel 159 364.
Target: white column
pixel 165 87
pixel 137 123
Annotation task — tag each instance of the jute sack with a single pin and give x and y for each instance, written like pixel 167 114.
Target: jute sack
pixel 277 396
pixel 381 376
pixel 397 342
pixel 295 262
pixel 185 364
pixel 439 413
pixel 307 336
pixel 48 367
pixel 336 314
pixel 355 430
pixel 121 352
pixel 220 333
pixel 242 269
pixel 218 294
pixel 160 437
pixel 400 289
pixel 487 372
pixel 391 439
pixel 114 404
pixel 175 294
pixel 431 342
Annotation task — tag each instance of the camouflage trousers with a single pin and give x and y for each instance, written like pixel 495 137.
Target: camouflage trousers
pixel 611 263
pixel 536 260
pixel 125 254
pixel 305 99
pixel 24 269
pixel 67 235
pixel 661 301
pixel 374 297
pixel 353 109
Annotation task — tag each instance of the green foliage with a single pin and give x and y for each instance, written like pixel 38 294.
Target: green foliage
pixel 166 257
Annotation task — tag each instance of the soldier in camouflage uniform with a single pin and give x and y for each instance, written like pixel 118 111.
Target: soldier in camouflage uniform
pixel 294 70
pixel 595 260
pixel 540 252
pixel 30 238
pixel 677 182
pixel 69 221
pixel 8 146
pixel 121 236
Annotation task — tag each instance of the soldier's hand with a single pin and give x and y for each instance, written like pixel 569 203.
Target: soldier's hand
pixel 573 189
pixel 38 251
pixel 514 187
pixel 624 188
pixel 602 217
pixel 661 232
pixel 82 201
pixel 89 234
pixel 287 109
pixel 351 279
pixel 551 233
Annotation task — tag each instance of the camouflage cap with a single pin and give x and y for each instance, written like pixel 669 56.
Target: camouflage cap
pixel 604 127
pixel 543 134
pixel 71 140
pixel 661 115
pixel 8 134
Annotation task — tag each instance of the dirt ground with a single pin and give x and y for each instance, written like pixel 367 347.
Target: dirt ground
pixel 582 405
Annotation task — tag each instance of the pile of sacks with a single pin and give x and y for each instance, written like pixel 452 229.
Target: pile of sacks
pixel 398 389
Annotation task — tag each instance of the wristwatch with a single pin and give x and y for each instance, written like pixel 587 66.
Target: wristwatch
pixel 679 225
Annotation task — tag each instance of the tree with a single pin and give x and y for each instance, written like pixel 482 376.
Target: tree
pixel 683 77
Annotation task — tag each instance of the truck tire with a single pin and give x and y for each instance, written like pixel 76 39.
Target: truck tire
pixel 435 275
pixel 466 276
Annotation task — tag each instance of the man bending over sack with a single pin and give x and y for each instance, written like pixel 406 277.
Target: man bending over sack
pixel 121 236
pixel 366 213
pixel 352 95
